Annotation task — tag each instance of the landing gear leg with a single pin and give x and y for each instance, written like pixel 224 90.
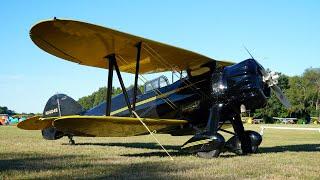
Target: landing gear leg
pixel 208 144
pixel 71 141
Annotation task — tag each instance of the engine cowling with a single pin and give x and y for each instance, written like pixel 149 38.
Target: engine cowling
pixel 241 83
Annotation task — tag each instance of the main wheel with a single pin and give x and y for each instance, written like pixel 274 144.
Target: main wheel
pixel 209 154
pixel 213 148
pixel 256 140
pixel 234 144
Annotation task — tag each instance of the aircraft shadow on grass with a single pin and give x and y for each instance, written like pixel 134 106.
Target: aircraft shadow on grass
pixel 25 163
pixel 131 145
pixel 275 149
pixel 291 148
pixel 31 162
pixel 175 150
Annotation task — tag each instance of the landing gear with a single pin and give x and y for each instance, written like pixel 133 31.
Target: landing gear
pixel 234 143
pixel 210 143
pixel 213 148
pixel 245 140
pixel 256 140
pixel 210 154
pixel 71 141
pixel 204 145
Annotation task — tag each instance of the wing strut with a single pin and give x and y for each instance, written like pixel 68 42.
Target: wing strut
pixel 124 91
pixel 113 64
pixel 138 46
pixel 109 87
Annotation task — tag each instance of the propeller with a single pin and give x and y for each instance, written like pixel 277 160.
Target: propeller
pixel 271 78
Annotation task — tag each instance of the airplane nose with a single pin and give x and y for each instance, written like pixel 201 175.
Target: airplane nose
pixel 240 83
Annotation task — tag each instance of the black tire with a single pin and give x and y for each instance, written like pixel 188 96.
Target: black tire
pixel 234 144
pixel 256 140
pixel 210 154
pixel 254 149
pixel 213 149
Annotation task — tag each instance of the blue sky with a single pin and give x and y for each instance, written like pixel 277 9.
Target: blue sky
pixel 282 35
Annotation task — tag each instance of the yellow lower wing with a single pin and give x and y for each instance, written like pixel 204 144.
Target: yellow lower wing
pixel 111 126
pixel 36 123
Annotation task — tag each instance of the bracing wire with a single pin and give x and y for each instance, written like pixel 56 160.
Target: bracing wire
pixel 174 69
pixel 151 133
pixel 144 80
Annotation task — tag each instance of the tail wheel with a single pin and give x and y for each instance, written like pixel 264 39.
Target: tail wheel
pixel 71 141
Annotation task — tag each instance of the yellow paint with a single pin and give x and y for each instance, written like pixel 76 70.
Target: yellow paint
pixel 111 126
pixel 89 44
pixel 35 123
pixel 199 71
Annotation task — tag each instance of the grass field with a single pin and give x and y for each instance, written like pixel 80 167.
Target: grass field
pixel 283 155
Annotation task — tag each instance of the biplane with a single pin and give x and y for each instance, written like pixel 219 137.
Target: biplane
pixel 204 102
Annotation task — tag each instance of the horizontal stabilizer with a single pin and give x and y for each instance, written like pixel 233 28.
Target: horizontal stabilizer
pixel 36 123
pixel 111 126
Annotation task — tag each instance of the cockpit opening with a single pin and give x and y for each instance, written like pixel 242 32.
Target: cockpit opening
pixel 156 83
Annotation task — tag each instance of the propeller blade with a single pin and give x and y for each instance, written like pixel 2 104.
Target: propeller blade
pixel 272 82
pixel 282 98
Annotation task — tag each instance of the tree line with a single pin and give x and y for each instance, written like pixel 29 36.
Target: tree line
pixel 97 97
pixel 5 110
pixel 303 93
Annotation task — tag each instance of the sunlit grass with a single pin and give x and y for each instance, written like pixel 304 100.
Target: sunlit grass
pixel 283 154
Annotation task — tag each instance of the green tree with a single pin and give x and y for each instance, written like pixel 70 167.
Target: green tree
pixel 97 97
pixel 304 94
pixel 5 110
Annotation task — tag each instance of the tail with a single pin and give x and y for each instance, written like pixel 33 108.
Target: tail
pixel 59 105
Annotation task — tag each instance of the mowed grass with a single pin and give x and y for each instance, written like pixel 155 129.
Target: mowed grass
pixel 283 155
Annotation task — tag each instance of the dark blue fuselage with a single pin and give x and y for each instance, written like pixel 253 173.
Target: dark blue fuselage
pixel 167 102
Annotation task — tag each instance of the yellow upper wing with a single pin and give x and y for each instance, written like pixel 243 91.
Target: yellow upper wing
pixel 88 44
pixel 111 126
